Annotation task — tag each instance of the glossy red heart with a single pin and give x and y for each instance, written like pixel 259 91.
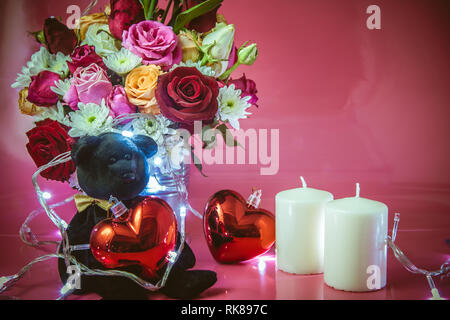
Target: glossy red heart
pixel 236 231
pixel 142 236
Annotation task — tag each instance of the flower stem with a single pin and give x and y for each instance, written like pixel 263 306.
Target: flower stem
pixel 151 9
pixel 145 4
pixel 227 73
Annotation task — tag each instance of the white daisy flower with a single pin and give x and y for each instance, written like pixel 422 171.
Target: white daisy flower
pixel 58 64
pixel 231 106
pixel 153 126
pixel 42 60
pixel 23 79
pixel 53 113
pixel 99 36
pixel 205 70
pixel 122 62
pixel 61 87
pixel 39 61
pixel 90 119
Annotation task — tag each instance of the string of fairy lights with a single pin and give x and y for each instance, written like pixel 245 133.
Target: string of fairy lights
pixel 64 249
pixel 29 238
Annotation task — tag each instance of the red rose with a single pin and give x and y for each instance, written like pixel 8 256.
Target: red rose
pixel 47 140
pixel 59 38
pixel 124 13
pixel 248 88
pixel 186 95
pixel 39 91
pixel 203 23
pixel 84 56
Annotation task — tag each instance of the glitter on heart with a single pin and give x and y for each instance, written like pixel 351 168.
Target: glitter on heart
pixel 237 230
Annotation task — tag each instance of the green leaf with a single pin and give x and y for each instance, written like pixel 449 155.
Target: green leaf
pixel 153 4
pixel 224 131
pixel 183 18
pixel 149 7
pixel 39 36
pixel 197 162
pixel 177 8
pixel 208 143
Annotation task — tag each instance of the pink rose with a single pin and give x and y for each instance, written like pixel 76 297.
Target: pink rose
pixel 118 102
pixel 248 88
pixel 39 91
pixel 89 85
pixel 84 56
pixel 154 42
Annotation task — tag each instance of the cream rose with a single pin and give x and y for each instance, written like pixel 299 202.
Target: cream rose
pixel 87 21
pixel 140 86
pixel 188 47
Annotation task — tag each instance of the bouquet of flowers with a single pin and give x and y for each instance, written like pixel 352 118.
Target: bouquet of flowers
pixel 133 70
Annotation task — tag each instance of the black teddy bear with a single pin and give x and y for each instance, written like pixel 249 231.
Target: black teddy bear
pixel 114 165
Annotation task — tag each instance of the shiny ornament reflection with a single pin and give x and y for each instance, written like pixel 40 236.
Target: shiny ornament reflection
pixel 143 236
pixel 236 231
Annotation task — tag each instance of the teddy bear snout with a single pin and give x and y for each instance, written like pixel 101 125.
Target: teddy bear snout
pixel 129 177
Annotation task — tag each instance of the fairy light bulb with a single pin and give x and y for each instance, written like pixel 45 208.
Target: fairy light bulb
pixel 172 256
pixel 46 195
pixel 127 133
pixel 157 161
pixel 153 184
pixel 182 211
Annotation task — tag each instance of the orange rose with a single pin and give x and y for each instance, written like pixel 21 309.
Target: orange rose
pixel 25 106
pixel 140 86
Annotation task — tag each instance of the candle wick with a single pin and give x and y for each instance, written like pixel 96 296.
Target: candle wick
pixel 357 190
pixel 303 182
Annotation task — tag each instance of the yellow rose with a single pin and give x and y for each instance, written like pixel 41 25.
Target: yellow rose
pixel 25 106
pixel 140 86
pixel 87 21
pixel 188 47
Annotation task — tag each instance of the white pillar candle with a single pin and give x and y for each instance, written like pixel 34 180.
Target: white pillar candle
pixel 355 246
pixel 299 227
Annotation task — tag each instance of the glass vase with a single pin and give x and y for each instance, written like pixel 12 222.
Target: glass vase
pixel 163 184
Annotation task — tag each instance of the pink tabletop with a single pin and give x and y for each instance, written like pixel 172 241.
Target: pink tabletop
pixel 351 105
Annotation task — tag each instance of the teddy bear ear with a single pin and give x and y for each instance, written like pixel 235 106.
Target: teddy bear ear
pixel 83 148
pixel 146 144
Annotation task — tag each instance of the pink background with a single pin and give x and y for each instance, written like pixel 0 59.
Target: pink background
pixel 352 105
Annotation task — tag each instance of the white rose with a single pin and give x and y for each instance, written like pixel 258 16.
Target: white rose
pixel 218 43
pixel 99 36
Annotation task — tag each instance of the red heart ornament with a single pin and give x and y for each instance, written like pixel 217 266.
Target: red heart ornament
pixel 142 236
pixel 235 230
